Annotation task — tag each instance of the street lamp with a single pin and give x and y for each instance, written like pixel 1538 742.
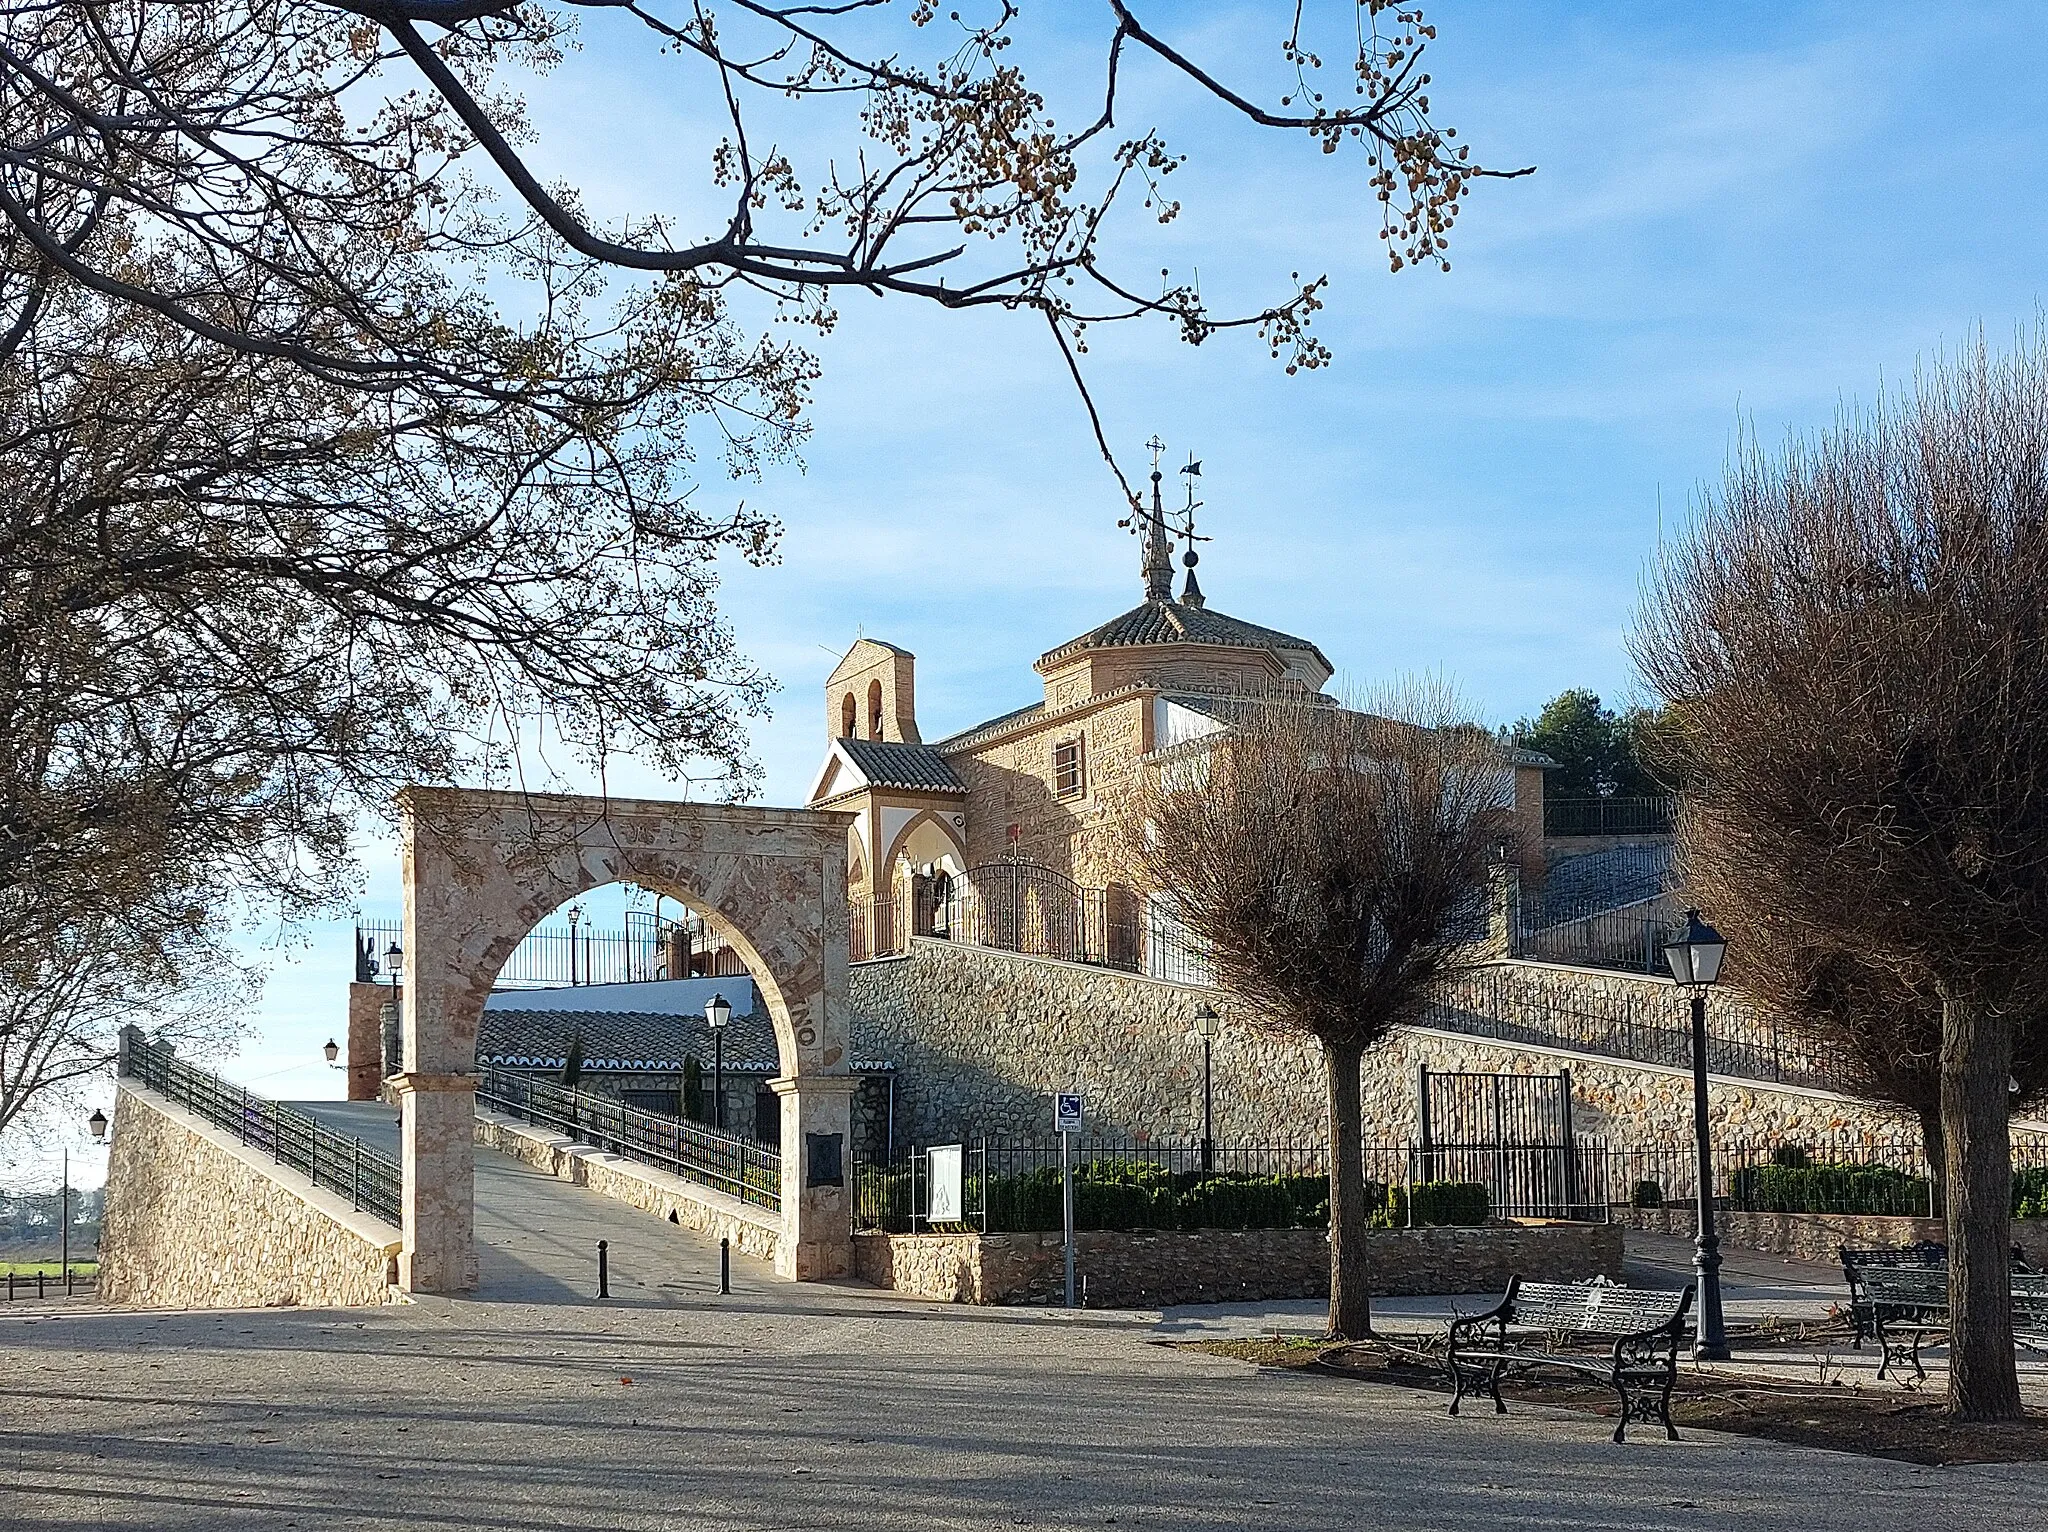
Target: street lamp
pixel 1695 961
pixel 97 1123
pixel 333 1051
pixel 387 1013
pixel 717 1012
pixel 1206 1024
pixel 575 918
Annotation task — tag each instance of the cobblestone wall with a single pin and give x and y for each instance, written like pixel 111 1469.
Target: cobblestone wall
pixel 195 1220
pixel 1156 1269
pixel 981 1039
pixel 1820 1236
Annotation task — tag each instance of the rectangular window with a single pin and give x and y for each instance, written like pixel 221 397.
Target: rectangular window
pixel 1069 770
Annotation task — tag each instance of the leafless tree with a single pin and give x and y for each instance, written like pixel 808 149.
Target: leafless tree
pixel 1854 645
pixel 328 146
pixel 1881 1033
pixel 1332 862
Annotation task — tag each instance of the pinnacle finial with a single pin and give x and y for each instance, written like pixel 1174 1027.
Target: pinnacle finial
pixel 1158 567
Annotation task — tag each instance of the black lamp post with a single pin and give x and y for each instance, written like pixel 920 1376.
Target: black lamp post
pixel 387 1014
pixel 1206 1024
pixel 1695 961
pixel 575 919
pixel 717 1012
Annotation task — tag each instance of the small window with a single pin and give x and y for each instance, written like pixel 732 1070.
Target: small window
pixel 1069 769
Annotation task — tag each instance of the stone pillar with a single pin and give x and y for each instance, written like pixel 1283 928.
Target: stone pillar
pixel 366 1004
pixel 445 980
pixel 437 1130
pixel 817 1150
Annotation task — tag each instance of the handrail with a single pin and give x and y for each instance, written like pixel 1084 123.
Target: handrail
pixel 726 1162
pixel 372 1181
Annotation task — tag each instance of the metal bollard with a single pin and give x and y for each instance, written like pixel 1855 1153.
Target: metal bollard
pixel 39 1284
pixel 725 1266
pixel 604 1273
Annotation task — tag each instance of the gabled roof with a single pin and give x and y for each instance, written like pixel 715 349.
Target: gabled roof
pixel 1176 622
pixel 885 763
pixel 1015 715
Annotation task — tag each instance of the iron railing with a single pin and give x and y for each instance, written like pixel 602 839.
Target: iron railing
pixel 1608 816
pixel 556 957
pixel 1013 1185
pixel 1033 911
pixel 347 1166
pixel 725 1162
pixel 1648 1028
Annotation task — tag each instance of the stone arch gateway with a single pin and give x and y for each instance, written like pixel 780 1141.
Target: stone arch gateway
pixel 481 869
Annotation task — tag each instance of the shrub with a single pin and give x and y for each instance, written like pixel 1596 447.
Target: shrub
pixel 2030 1192
pixel 1436 1202
pixel 1810 1188
pixel 1646 1194
pixel 1791 1156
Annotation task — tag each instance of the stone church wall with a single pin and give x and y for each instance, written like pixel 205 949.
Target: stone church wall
pixel 982 1038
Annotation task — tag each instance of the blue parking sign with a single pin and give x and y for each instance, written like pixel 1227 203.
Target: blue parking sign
pixel 1066 1112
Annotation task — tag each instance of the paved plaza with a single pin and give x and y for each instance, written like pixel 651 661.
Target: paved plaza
pixel 823 1406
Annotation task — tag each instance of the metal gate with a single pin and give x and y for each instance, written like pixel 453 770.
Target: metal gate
pixel 1510 1133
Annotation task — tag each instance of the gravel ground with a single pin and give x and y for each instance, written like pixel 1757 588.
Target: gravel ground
pixel 818 1406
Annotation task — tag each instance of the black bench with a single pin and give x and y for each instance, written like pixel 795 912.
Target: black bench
pixel 1536 1323
pixel 1856 1260
pixel 1909 1307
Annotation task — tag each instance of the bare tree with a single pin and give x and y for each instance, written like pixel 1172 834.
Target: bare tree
pixel 328 145
pixel 1332 863
pixel 1881 1033
pixel 1854 647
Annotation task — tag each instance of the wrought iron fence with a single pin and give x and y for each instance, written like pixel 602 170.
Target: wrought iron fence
pixel 1014 1185
pixel 1650 1028
pixel 342 1164
pixel 1608 816
pixel 1034 911
pixel 725 1162
pixel 556 957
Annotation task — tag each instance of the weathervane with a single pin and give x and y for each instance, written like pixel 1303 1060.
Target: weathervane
pixel 1160 529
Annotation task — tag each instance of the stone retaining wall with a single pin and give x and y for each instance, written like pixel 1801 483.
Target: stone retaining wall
pixel 195 1219
pixel 982 1038
pixel 1146 1269
pixel 753 1231
pixel 1819 1236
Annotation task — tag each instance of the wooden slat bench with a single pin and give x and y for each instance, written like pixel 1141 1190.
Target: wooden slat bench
pixel 1909 1308
pixel 1537 1324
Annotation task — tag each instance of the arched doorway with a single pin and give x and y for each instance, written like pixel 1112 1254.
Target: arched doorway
pixel 482 868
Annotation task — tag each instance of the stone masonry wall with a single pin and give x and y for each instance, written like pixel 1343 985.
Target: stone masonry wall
pixel 981 1039
pixel 196 1220
pixel 1157 1269
pixel 753 1231
pixel 1820 1236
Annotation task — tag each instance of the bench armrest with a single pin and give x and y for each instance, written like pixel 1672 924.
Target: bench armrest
pixel 1461 1325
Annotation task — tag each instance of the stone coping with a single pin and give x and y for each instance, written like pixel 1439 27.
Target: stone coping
pixel 367 1227
pixel 571 1154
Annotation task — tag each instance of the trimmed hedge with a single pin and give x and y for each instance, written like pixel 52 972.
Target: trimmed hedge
pixel 2030 1192
pixel 1136 1194
pixel 1811 1188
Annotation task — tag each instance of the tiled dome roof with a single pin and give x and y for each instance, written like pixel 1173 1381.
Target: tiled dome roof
pixel 1177 622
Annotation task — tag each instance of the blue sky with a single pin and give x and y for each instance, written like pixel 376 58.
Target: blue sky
pixel 1740 212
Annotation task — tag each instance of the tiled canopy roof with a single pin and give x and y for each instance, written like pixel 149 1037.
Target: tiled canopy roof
pixel 1175 622
pixel 632 1042
pixel 897 763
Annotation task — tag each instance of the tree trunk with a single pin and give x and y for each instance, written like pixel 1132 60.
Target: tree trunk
pixel 1976 1066
pixel 1350 1294
pixel 1932 1144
